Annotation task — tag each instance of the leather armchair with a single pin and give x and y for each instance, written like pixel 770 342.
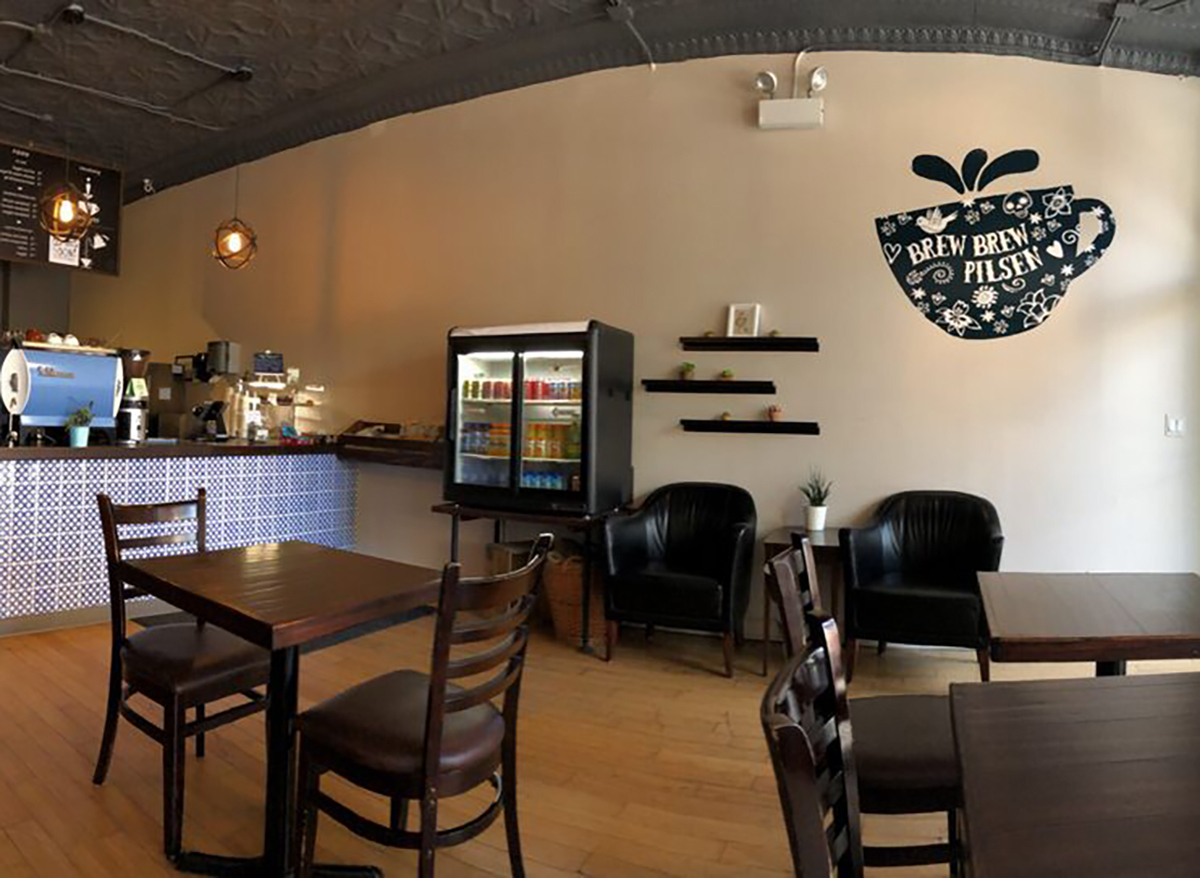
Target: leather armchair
pixel 910 576
pixel 683 560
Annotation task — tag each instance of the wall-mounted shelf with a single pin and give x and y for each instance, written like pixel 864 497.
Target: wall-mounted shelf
pixel 750 343
pixel 664 385
pixel 716 425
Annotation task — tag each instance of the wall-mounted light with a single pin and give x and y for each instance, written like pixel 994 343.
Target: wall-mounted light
pixel 793 112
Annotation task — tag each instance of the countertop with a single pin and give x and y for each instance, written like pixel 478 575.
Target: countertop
pixel 179 449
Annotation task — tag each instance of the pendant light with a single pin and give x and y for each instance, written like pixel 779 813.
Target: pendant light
pixel 235 242
pixel 63 211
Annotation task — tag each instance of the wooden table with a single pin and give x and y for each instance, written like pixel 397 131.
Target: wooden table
pixel 827 553
pixel 1106 618
pixel 282 596
pixel 1075 778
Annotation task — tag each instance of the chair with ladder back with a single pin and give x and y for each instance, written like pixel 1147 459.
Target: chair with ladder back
pixel 180 666
pixel 414 737
pixel 904 744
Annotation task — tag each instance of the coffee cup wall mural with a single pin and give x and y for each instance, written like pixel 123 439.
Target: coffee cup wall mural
pixel 989 266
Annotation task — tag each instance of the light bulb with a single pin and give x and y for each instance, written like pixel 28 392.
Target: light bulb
pixel 64 211
pixel 234 243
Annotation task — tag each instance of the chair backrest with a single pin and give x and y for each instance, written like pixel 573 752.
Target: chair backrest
pixel 791 579
pixel 940 532
pixel 806 720
pixel 686 520
pixel 491 612
pixel 139 529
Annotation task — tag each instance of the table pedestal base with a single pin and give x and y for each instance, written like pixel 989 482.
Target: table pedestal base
pixel 252 867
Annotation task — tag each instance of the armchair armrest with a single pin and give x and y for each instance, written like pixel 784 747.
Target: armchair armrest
pixel 863 557
pixel 741 565
pixel 626 543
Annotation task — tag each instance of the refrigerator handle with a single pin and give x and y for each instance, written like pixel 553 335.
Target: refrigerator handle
pixel 517 443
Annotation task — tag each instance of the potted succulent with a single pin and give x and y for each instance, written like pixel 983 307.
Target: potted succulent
pixel 79 424
pixel 686 371
pixel 775 412
pixel 726 375
pixel 816 491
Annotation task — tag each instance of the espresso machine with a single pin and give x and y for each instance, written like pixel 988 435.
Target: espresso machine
pixel 41 385
pixel 134 414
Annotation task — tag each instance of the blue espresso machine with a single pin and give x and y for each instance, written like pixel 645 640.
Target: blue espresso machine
pixel 42 387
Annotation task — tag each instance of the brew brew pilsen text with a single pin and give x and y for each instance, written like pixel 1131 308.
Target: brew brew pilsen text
pixel 1013 257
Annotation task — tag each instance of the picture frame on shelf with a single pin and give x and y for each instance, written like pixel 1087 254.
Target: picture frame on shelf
pixel 743 320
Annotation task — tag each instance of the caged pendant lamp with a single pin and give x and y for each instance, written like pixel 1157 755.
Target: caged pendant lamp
pixel 64 212
pixel 235 242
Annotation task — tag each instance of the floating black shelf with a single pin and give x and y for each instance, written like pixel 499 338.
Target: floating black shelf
pixel 665 385
pixel 716 425
pixel 750 343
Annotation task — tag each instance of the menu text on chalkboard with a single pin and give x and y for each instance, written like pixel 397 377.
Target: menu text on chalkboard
pixel 24 175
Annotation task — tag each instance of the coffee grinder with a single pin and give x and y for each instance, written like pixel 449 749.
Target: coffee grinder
pixel 134 415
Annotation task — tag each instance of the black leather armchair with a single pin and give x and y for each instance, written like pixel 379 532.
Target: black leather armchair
pixel 910 577
pixel 682 560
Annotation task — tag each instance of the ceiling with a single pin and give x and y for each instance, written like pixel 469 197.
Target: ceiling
pixel 321 67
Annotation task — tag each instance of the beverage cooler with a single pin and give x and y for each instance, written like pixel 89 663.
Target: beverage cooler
pixel 540 417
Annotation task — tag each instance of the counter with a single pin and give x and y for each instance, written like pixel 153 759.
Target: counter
pixel 51 554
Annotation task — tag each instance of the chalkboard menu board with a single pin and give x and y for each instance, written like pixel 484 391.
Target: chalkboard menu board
pixel 24 176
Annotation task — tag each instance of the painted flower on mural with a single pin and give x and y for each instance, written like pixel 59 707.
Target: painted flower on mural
pixel 986 207
pixel 958 318
pixel 1035 218
pixel 904 218
pixel 971 216
pixel 1036 306
pixel 985 296
pixel 1054 225
pixel 887 227
pixel 937 298
pixel 1058 202
pixel 1049 280
pixel 1089 259
pixel 923 307
pixel 1067 270
pixel 918 293
pixel 1008 310
pixel 1000 327
pixel 987 316
pixel 1038 233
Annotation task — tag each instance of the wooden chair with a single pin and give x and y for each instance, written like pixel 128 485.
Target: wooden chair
pixel 904 743
pixel 806 721
pixel 180 666
pixel 412 737
pixel 798 567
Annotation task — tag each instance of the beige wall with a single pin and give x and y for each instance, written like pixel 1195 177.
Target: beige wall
pixel 650 201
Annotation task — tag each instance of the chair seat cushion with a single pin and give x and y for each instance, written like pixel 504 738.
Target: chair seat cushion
pixel 657 591
pixel 379 726
pixel 196 663
pixel 904 754
pixel 907 609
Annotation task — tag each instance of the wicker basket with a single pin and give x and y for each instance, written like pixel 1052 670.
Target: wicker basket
pixel 563 584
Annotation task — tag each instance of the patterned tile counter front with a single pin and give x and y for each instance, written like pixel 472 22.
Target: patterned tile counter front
pixel 51 551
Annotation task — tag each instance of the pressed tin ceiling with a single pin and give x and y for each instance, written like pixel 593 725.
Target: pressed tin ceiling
pixel 325 66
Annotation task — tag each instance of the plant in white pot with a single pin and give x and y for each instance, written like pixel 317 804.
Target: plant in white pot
pixel 816 491
pixel 79 423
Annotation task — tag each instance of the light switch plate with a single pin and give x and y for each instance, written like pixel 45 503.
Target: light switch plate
pixel 1174 427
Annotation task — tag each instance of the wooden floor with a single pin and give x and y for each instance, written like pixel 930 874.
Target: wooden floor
pixel 653 765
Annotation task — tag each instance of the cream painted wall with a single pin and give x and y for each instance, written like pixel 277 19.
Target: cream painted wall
pixel 649 200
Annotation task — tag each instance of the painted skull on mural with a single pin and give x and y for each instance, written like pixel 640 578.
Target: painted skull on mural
pixel 988 266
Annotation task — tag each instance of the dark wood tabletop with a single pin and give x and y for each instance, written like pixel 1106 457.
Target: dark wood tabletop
pixel 1072 778
pixel 279 595
pixel 822 540
pixel 1096 617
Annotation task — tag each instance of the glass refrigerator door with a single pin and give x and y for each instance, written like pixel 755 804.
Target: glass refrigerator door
pixel 485 418
pixel 551 440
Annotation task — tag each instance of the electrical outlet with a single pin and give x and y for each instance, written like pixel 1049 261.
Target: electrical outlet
pixel 1174 427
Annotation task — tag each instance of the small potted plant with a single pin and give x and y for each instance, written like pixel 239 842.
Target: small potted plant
pixel 726 375
pixel 686 371
pixel 726 416
pixel 79 424
pixel 775 412
pixel 816 491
